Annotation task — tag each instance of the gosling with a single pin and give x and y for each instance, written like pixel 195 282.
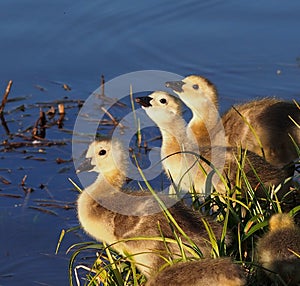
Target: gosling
pixel 110 213
pixel 206 272
pixel 270 118
pixel 279 250
pixel 182 168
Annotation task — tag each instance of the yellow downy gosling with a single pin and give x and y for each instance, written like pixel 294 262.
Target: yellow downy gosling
pixel 269 118
pixel 206 272
pixel 165 110
pixel 279 249
pixel 109 213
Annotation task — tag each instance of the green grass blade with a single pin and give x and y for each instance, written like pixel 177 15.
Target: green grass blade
pixel 75 185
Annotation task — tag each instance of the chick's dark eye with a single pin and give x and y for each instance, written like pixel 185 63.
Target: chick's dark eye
pixel 163 101
pixel 102 152
pixel 195 86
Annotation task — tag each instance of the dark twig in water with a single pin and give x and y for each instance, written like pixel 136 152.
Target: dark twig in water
pixel 61 112
pixel 115 121
pixel 10 195
pixel 4 124
pixel 43 210
pixel 101 94
pixel 4 100
pixel 102 85
pixel 39 129
pixel 26 190
pixel 53 205
pixel 61 161
pixel 66 87
pixel 23 181
pixel 156 138
pixel 51 112
pixel 13 145
pixel 146 147
pixel 31 157
pixel 4 181
pixel 77 102
pixel 39 87
pixel 62 84
pixel 52 201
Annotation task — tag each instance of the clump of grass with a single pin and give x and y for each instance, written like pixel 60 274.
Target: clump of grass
pixel 107 268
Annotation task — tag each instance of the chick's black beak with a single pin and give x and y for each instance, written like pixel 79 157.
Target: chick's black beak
pixel 85 166
pixel 175 85
pixel 144 101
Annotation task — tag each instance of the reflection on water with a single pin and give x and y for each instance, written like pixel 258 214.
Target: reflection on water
pixel 247 49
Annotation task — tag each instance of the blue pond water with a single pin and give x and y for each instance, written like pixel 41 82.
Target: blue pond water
pixel 247 48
